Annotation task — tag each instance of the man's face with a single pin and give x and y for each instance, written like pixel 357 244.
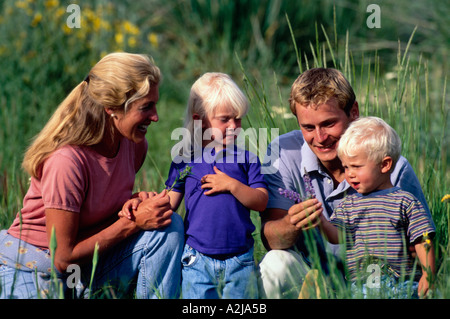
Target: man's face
pixel 322 127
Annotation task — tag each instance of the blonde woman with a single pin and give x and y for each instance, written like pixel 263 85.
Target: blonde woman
pixel 82 166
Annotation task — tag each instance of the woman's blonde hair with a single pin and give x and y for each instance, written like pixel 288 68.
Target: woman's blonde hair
pixel 113 83
pixel 211 91
pixel 374 137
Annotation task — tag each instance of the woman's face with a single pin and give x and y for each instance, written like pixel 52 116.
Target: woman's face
pixel 133 124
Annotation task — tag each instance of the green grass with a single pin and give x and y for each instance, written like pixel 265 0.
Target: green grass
pixel 398 73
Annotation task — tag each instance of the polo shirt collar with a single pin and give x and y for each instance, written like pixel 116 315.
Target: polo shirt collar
pixel 310 163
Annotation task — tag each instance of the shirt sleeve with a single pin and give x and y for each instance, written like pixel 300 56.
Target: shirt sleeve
pixel 419 223
pixel 255 178
pixel 174 173
pixel 404 177
pixel 277 176
pixel 63 183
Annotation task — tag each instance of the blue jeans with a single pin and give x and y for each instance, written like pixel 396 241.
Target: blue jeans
pixel 204 277
pixel 148 259
pixel 389 288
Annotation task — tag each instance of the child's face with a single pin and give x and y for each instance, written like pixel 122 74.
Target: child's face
pixel 365 175
pixel 223 124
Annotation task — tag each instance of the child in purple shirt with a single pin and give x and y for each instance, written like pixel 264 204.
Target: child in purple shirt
pixel 223 184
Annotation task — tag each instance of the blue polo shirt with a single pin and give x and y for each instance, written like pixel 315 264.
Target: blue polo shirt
pixel 217 224
pixel 295 156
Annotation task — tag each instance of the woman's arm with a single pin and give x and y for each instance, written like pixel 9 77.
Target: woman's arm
pixel 75 249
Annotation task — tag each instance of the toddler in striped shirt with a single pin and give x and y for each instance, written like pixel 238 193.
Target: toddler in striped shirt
pixel 380 222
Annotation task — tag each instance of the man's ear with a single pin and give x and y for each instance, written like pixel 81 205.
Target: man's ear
pixel 386 164
pixel 354 111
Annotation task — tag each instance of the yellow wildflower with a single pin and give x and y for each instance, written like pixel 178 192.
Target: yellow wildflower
pixel 119 38
pixel 130 28
pixel 132 42
pixel 60 12
pixel 37 18
pixel 21 4
pixel 51 3
pixel 445 198
pixel 66 29
pixel 153 39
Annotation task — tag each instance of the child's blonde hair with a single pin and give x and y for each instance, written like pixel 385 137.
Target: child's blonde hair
pixel 373 136
pixel 210 92
pixel 114 82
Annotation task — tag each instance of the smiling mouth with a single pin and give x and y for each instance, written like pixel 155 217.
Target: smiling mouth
pixel 143 128
pixel 326 147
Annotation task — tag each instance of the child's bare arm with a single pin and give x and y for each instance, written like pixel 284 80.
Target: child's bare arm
pixel 330 231
pixel 427 259
pixel 252 198
pixel 175 199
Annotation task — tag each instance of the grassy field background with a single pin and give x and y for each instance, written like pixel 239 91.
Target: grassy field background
pixel 399 72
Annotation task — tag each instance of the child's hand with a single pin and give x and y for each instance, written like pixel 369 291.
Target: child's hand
pixel 128 208
pixel 424 286
pixel 218 182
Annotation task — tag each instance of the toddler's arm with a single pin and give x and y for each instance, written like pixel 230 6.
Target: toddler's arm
pixel 331 231
pixel 252 198
pixel 427 259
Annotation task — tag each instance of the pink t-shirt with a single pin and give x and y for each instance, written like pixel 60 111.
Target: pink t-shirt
pixel 79 180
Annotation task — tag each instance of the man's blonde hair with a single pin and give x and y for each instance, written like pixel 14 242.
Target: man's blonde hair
pixel 114 82
pixel 316 86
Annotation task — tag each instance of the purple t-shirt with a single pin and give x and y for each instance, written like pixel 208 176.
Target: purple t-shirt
pixel 217 224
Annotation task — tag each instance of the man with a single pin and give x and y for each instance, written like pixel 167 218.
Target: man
pixel 324 103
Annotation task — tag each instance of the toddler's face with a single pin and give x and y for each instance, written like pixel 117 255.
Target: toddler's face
pixel 363 174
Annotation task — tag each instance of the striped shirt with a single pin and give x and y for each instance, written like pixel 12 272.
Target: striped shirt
pixel 379 227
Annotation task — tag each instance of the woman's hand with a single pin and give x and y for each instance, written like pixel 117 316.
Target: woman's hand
pixel 154 212
pixel 132 204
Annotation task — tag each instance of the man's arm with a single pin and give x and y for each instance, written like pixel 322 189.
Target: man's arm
pixel 281 228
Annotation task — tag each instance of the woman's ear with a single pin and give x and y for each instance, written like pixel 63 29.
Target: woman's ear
pixel 386 164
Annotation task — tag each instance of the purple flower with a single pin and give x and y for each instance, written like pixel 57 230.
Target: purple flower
pixel 296 197
pixel 308 186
